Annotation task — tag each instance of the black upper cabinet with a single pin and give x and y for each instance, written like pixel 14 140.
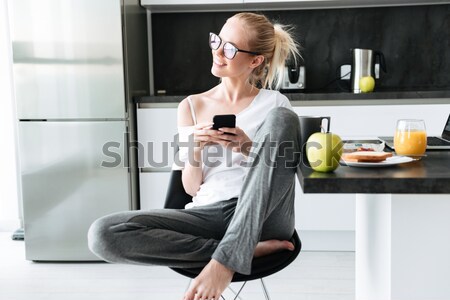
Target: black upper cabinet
pixel 414 39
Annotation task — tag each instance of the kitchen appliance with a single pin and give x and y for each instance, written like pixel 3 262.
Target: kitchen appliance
pixel 294 77
pixel 363 64
pixel 74 84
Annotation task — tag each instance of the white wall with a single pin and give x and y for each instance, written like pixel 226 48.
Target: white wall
pixel 9 180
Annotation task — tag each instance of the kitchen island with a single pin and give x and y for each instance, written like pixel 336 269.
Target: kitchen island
pixel 402 225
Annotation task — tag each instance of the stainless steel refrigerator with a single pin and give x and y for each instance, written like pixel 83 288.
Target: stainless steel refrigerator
pixel 74 83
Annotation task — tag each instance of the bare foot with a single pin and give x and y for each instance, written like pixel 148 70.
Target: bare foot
pixel 210 283
pixel 271 246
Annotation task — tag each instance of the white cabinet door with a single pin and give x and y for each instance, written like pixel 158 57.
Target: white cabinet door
pixel 378 120
pixel 157 128
pixel 153 188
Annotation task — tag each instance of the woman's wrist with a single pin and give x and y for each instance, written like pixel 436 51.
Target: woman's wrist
pixel 197 157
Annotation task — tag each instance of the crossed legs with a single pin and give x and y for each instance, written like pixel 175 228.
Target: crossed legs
pixel 265 209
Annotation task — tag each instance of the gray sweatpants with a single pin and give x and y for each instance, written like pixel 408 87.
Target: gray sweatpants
pixel 227 231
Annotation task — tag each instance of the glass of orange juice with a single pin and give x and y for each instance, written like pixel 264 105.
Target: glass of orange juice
pixel 410 138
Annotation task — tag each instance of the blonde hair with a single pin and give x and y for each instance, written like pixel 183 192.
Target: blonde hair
pixel 274 42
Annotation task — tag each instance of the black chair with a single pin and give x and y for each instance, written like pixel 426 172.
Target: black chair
pixel 261 267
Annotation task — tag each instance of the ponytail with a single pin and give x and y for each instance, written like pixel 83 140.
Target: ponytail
pixel 285 47
pixel 275 43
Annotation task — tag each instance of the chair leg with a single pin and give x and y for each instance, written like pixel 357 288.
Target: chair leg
pixel 266 293
pixel 240 290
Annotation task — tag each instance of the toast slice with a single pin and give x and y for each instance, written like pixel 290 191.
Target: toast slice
pixel 366 156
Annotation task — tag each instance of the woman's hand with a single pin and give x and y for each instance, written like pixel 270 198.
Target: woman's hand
pixel 203 134
pixel 234 138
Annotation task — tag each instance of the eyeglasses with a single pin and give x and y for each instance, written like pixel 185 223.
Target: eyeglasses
pixel 229 50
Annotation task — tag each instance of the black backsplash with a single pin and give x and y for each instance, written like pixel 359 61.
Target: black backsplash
pixel 415 41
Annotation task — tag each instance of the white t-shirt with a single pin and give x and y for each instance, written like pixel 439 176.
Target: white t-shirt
pixel 223 173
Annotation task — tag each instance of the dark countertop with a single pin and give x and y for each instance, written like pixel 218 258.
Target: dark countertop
pixel 395 95
pixel 369 96
pixel 430 175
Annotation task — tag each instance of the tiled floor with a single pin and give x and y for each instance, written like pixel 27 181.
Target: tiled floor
pixel 313 276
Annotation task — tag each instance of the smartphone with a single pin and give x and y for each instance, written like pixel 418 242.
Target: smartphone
pixel 224 121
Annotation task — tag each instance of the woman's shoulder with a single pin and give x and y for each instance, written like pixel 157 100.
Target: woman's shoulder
pixel 186 110
pixel 184 114
pixel 274 96
pixel 189 106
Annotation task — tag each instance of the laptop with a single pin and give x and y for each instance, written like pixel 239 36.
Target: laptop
pixel 433 142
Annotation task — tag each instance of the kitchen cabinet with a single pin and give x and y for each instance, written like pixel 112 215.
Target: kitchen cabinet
pixel 216 5
pixel 153 188
pixel 324 221
pixel 377 120
pixel 157 128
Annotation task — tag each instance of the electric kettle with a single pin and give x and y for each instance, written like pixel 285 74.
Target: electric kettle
pixel 363 64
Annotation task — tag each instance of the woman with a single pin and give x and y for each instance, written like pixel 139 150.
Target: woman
pixel 237 212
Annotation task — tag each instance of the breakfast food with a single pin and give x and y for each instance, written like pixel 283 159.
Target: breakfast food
pixel 365 149
pixel 363 145
pixel 366 156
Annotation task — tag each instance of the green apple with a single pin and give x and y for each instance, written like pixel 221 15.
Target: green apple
pixel 366 84
pixel 324 151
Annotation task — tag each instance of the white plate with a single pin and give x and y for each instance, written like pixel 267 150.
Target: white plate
pixel 390 161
